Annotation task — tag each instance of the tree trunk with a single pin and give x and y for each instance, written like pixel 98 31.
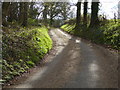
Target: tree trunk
pixel 78 17
pixel 94 15
pixel 25 14
pixel 10 16
pixel 5 12
pixel 119 11
pixel 51 17
pixel 21 12
pixel 85 13
pixel 51 21
pixel 13 12
pixel 64 12
pixel 45 14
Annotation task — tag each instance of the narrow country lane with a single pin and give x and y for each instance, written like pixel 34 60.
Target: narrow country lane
pixel 75 63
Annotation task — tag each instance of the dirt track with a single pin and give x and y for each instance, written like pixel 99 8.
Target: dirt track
pixel 75 63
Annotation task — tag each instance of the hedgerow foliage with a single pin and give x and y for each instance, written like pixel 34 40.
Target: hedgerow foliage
pixel 107 33
pixel 23 48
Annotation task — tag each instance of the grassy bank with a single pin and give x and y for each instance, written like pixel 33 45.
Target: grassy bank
pixel 23 48
pixel 107 33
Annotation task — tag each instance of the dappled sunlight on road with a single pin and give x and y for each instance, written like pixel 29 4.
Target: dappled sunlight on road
pixel 74 64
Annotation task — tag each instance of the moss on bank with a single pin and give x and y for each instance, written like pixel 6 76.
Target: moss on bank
pixel 23 48
pixel 107 33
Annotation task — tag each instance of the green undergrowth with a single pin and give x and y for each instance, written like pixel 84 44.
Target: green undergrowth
pixel 23 48
pixel 107 33
pixel 68 28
